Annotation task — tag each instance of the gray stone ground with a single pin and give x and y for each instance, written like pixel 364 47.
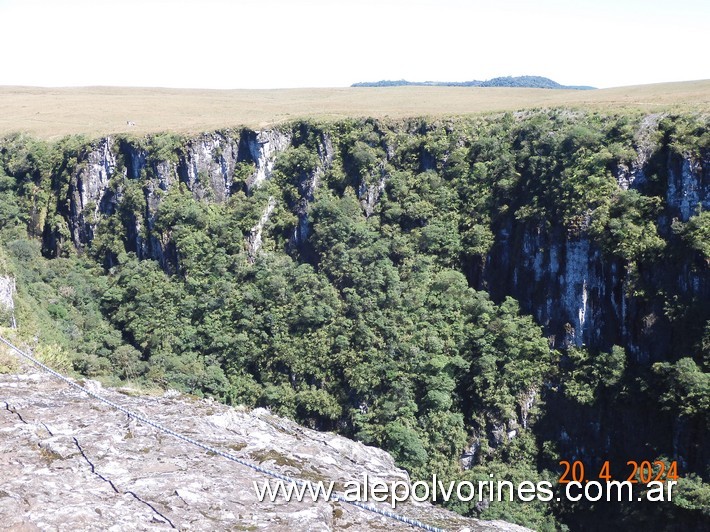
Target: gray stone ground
pixel 70 463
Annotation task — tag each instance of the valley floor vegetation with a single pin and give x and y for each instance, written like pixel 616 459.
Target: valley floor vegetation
pixel 378 304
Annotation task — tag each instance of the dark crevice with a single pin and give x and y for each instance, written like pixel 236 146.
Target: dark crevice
pixel 151 507
pixel 91 465
pixel 13 411
pixel 113 486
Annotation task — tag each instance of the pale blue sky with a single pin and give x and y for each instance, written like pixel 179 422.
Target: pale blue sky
pixel 330 43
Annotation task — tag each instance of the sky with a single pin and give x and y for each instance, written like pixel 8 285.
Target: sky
pixel 334 43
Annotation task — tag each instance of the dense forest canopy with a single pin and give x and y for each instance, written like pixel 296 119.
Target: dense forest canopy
pixel 476 296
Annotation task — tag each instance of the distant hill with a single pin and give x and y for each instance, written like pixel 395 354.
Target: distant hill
pixel 534 82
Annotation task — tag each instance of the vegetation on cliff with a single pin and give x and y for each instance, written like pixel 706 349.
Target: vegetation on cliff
pixel 367 308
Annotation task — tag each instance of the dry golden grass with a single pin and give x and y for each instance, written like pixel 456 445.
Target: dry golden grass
pixel 94 111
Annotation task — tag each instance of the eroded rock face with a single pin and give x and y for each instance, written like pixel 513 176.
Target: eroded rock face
pixel 308 186
pixel 688 187
pixel 263 147
pixel 70 463
pixel 89 194
pixel 7 300
pixel 646 142
pixel 208 166
pixel 254 239
pixel 7 292
pixel 580 294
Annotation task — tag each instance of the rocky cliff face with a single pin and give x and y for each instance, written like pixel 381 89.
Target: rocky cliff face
pixel 7 299
pixel 88 192
pixel 205 165
pixel 688 186
pixel 254 240
pixel 70 463
pixel 512 204
pixel 262 148
pixel 577 293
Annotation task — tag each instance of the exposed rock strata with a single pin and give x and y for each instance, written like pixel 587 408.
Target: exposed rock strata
pixel 573 289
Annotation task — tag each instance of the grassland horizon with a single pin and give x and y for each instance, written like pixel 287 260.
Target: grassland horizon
pixel 95 111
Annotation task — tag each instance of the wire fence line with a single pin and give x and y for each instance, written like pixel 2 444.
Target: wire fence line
pixel 229 456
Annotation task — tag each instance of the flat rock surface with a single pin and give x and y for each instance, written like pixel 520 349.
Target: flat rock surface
pixel 70 462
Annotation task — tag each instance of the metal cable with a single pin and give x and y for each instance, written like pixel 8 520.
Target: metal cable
pixel 208 448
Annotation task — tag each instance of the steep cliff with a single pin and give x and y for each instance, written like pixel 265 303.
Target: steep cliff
pixel 577 291
pixel 7 299
pixel 373 278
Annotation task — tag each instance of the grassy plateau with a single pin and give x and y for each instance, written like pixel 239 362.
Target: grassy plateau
pixel 94 111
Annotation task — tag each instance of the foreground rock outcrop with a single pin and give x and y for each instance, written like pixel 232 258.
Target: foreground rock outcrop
pixel 68 462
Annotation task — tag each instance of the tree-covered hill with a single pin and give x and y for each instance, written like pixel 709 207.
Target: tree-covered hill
pixel 477 296
pixel 531 82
